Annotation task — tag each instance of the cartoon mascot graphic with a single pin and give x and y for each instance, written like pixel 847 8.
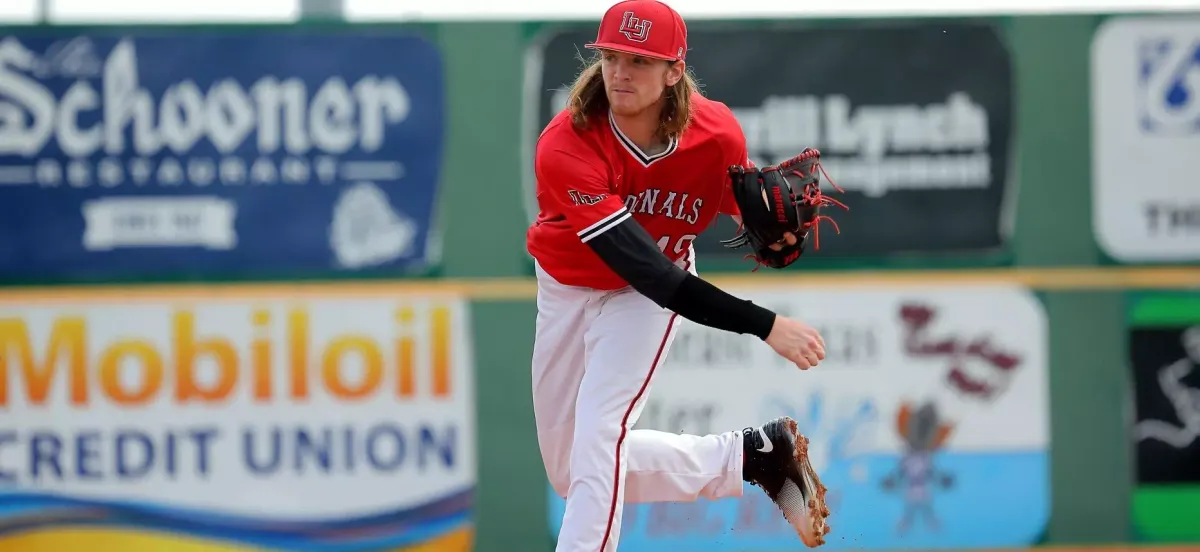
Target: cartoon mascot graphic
pixel 917 475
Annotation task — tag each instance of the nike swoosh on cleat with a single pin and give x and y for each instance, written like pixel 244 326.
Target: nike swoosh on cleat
pixel 768 446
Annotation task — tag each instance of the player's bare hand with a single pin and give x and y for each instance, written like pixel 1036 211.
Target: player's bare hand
pixel 788 238
pixel 797 342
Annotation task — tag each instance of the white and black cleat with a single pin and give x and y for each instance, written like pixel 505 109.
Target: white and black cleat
pixel 776 460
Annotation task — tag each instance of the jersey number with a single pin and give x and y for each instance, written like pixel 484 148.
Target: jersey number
pixel 680 244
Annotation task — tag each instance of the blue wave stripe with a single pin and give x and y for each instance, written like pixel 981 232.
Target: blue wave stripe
pixel 24 501
pixel 412 537
pixel 101 518
pixel 26 511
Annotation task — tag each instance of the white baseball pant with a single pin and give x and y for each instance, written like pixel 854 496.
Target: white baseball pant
pixel 594 358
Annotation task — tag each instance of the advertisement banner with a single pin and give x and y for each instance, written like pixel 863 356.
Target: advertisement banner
pixel 235 420
pixel 1145 135
pixel 1164 353
pixel 218 155
pixel 928 421
pixel 914 121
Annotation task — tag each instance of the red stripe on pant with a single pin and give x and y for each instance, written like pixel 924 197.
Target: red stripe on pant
pixel 612 509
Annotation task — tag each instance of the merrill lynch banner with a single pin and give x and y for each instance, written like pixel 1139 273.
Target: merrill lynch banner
pixel 914 121
pixel 228 155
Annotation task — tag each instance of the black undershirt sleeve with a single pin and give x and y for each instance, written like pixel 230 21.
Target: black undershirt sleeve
pixel 632 254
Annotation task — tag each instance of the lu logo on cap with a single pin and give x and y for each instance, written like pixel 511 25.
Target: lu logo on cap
pixel 636 30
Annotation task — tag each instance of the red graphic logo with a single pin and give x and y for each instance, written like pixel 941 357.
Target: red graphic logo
pixel 993 362
pixel 636 30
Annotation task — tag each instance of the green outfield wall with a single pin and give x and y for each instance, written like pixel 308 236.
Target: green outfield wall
pixel 482 216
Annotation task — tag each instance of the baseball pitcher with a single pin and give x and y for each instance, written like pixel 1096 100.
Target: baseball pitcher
pixel 628 174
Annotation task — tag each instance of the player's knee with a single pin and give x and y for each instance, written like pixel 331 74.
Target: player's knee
pixel 559 475
pixel 558 472
pixel 560 482
pixel 556 457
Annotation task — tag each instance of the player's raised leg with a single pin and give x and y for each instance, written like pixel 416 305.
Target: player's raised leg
pixel 674 467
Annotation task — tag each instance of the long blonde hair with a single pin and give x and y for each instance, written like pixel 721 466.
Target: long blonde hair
pixel 587 99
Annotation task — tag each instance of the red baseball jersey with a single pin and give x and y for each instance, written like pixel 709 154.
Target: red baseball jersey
pixel 588 181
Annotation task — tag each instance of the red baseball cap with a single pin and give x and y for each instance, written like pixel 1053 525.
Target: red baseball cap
pixel 643 27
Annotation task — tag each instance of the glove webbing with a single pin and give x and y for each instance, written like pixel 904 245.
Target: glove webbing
pixel 813 196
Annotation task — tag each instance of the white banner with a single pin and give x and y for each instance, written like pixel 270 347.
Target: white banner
pixel 1146 138
pixel 275 420
pixel 972 359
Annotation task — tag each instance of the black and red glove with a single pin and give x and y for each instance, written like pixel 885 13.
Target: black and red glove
pixel 779 199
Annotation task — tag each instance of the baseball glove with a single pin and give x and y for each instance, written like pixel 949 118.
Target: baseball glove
pixel 783 198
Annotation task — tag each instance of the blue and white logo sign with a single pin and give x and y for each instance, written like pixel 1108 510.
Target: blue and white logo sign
pixel 226 155
pixel 928 423
pixel 1169 78
pixel 1145 138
